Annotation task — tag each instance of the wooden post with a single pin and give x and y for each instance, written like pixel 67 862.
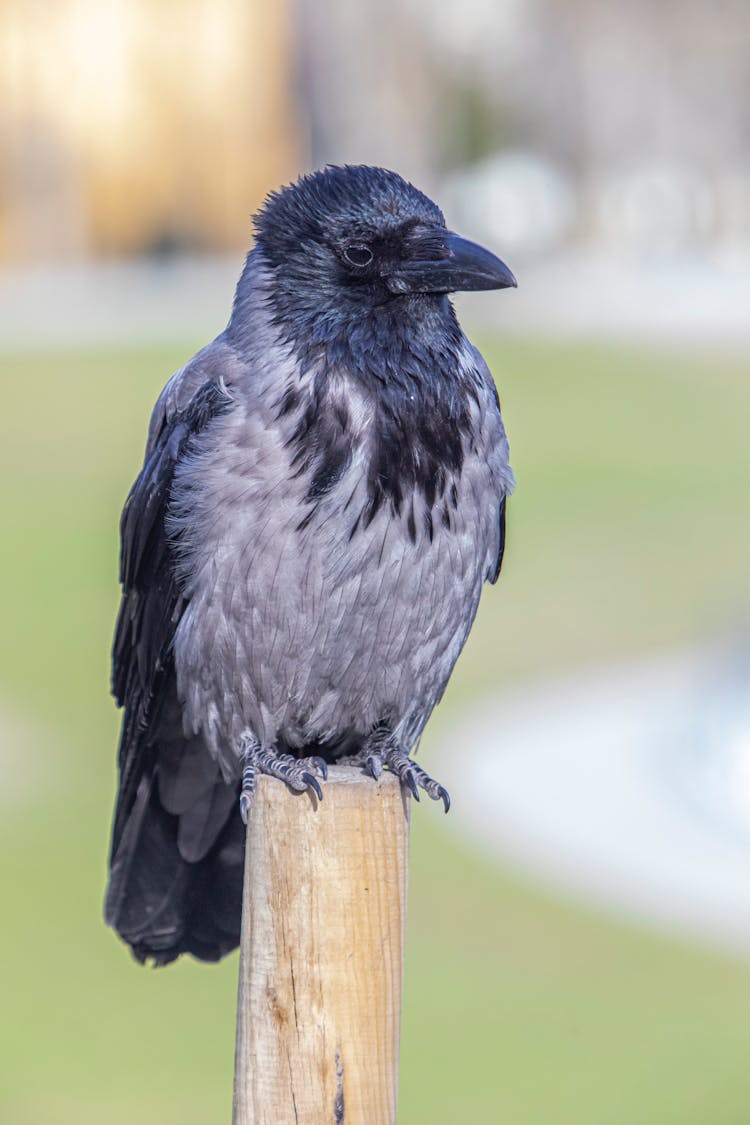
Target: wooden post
pixel 321 957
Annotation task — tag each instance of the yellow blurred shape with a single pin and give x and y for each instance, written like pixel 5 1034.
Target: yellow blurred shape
pixel 133 124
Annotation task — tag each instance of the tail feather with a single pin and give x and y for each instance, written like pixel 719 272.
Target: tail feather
pixel 162 903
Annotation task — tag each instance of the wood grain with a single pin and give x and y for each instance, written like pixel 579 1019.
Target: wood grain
pixel 321 959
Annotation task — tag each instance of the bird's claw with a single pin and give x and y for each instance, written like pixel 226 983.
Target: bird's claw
pixel 374 765
pixel 392 755
pixel 411 781
pixel 321 765
pixel 298 773
pixel 444 796
pixel 311 782
pixel 246 803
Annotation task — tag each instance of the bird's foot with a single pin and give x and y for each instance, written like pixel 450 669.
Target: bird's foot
pixel 388 752
pixel 298 773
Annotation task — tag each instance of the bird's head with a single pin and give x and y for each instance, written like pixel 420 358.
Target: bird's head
pixel 348 240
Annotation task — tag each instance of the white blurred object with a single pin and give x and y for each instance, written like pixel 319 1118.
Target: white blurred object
pixel 519 200
pixel 718 777
pixel 655 209
pixel 463 30
pixel 630 787
pixel 732 249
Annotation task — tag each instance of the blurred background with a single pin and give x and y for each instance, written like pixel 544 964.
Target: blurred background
pixel 579 927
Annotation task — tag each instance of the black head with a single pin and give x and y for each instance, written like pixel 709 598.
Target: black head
pixel 350 239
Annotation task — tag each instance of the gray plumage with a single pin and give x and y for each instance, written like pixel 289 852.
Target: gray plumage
pixel 321 502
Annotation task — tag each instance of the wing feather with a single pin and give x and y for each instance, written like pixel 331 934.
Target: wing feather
pixel 503 474
pixel 152 602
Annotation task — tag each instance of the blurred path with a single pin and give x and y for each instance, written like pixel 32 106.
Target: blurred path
pixel 630 788
pixel 116 303
pixel 574 295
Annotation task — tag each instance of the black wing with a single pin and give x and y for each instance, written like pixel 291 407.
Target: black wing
pixel 152 602
pixel 177 840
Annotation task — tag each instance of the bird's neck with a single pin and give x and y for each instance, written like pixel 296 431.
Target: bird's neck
pixel 405 367
pixel 402 339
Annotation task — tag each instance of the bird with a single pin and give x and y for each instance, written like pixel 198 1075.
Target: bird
pixel 322 499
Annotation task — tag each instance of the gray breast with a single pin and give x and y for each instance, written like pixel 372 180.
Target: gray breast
pixel 312 633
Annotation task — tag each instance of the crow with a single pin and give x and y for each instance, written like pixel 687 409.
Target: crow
pixel 302 555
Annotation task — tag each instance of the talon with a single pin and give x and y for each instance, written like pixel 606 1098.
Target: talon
pixel 396 758
pixel 294 772
pixel 411 781
pixel 311 782
pixel 374 766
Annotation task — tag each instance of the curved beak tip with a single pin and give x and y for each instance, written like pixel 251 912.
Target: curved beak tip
pixel 477 267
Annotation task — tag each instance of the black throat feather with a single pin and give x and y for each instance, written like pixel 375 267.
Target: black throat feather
pixel 404 358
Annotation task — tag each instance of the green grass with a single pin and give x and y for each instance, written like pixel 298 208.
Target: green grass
pixel 628 532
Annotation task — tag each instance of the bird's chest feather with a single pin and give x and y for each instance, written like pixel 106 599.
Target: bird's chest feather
pixel 330 593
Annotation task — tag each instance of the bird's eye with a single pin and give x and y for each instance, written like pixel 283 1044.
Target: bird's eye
pixel 357 254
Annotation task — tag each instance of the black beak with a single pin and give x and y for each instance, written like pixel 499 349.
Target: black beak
pixel 464 266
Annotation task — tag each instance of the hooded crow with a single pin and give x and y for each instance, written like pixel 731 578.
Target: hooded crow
pixel 321 502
